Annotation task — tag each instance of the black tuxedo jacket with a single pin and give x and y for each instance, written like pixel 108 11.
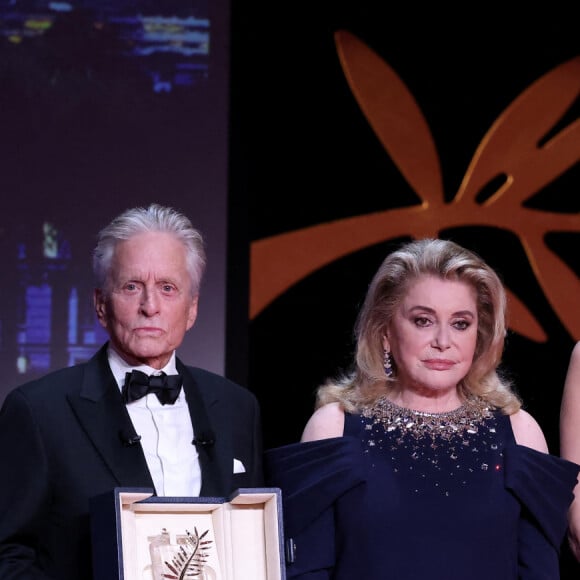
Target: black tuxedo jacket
pixel 66 438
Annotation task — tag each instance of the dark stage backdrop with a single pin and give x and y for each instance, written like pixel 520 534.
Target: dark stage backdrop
pixel 303 154
pixel 104 106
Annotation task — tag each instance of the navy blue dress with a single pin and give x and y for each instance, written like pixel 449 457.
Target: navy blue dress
pixel 410 496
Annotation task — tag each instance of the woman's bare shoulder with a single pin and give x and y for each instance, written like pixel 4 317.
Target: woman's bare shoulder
pixel 528 432
pixel 325 422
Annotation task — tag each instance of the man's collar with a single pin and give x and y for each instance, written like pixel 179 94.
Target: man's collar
pixel 119 366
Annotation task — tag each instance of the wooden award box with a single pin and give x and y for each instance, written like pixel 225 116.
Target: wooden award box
pixel 139 536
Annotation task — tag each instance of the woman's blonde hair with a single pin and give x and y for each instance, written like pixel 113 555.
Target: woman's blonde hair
pixel 448 261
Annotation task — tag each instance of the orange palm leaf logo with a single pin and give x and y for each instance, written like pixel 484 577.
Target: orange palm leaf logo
pixel 520 154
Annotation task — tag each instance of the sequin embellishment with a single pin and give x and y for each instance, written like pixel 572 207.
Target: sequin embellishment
pixel 465 419
pixel 437 451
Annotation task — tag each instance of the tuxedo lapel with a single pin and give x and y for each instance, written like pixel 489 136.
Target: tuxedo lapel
pixel 214 453
pixel 100 410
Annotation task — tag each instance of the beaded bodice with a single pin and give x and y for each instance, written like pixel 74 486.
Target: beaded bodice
pixel 466 419
pixel 433 451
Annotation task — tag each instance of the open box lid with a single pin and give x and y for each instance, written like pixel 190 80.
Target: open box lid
pixel 139 536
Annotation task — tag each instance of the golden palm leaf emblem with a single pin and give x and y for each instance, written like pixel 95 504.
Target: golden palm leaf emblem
pixel 521 153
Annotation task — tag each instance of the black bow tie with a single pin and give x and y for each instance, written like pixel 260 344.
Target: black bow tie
pixel 138 384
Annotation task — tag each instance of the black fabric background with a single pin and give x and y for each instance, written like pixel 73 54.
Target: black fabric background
pixel 302 153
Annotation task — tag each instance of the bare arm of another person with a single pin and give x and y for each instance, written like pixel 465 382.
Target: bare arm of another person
pixel 570 439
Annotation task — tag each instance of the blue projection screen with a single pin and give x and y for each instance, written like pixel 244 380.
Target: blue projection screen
pixel 104 106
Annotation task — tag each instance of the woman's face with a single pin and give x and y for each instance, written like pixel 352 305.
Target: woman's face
pixel 433 334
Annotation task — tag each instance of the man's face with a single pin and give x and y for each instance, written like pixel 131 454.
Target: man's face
pixel 148 306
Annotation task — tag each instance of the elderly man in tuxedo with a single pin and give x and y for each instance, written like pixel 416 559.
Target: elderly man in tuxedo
pixel 133 416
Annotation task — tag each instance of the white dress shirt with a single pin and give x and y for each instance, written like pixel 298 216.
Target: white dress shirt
pixel 166 434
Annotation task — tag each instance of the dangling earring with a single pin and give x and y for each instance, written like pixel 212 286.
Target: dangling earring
pixel 388 363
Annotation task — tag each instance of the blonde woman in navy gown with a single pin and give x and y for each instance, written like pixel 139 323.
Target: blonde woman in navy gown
pixel 421 463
